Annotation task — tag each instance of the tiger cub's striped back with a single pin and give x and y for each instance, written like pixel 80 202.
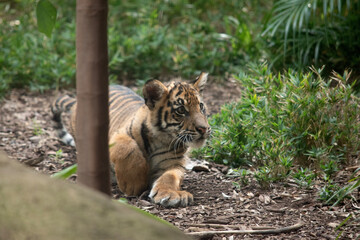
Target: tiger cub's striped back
pixel 123 102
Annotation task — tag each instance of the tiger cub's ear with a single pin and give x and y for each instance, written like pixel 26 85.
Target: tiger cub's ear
pixel 153 91
pixel 201 81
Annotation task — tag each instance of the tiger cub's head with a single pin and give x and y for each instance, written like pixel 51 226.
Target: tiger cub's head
pixel 178 110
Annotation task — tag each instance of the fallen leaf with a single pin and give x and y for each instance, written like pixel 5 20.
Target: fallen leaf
pixel 333 224
pixel 226 196
pixel 250 194
pixel 265 198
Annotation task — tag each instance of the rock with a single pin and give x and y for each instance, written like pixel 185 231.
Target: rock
pixel 34 206
pixel 35 139
pixel 197 165
pixel 201 168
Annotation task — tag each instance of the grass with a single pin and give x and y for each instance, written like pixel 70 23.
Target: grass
pixel 346 191
pixel 37 129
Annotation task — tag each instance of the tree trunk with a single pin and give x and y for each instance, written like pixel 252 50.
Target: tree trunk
pixel 92 114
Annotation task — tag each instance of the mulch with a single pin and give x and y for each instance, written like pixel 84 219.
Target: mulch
pixel 26 135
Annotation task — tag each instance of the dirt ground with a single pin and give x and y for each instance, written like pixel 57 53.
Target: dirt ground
pixel 26 135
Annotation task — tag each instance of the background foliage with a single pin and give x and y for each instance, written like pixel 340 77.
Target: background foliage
pixel 29 58
pixel 161 39
pixel 147 39
pixel 314 32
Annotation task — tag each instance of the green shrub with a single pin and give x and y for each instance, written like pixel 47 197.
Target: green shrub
pixel 180 37
pixel 146 39
pixel 29 59
pixel 327 192
pixel 342 193
pixel 347 190
pixel 284 119
pixel 304 177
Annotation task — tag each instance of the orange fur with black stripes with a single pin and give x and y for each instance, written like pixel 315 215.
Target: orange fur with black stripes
pixel 150 137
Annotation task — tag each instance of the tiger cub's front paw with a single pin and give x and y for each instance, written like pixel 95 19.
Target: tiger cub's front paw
pixel 171 198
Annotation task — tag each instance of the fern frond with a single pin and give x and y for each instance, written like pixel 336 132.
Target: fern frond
pixel 308 22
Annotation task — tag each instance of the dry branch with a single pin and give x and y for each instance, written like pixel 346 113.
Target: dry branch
pixel 238 226
pixel 212 225
pixel 276 210
pixel 269 231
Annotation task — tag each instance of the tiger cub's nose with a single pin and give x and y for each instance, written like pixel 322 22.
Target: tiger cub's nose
pixel 202 130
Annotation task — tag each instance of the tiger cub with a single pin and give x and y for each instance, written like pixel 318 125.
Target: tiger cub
pixel 150 137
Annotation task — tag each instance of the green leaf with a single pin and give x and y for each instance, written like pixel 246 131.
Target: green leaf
pixel 122 200
pixel 46 17
pixel 65 173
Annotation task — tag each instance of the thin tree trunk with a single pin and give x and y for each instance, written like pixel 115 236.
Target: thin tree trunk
pixel 92 115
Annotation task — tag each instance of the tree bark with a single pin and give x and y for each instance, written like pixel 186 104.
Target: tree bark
pixel 92 114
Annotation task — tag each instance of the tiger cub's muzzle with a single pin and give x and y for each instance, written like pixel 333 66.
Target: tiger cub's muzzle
pixel 203 130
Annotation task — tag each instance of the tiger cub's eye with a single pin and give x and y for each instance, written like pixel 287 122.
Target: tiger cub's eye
pixel 202 107
pixel 181 110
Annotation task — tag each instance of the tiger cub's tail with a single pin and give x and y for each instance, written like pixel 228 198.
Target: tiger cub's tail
pixel 60 105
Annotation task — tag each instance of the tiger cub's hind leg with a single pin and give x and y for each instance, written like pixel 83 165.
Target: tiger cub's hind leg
pixel 131 168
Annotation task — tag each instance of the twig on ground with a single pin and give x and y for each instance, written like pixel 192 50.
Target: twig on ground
pixel 277 210
pixel 211 225
pixel 269 231
pixel 352 168
pixel 224 219
pixel 216 221
pixel 262 228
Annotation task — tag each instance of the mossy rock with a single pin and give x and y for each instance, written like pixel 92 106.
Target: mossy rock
pixel 34 206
